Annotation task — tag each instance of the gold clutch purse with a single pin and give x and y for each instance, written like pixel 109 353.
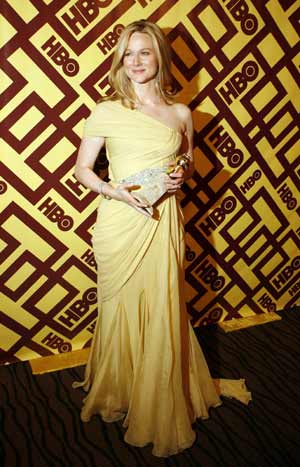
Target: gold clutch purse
pixel 149 184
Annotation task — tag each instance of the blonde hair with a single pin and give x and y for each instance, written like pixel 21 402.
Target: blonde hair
pixel 119 81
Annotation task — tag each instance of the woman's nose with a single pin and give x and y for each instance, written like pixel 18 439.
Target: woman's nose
pixel 136 59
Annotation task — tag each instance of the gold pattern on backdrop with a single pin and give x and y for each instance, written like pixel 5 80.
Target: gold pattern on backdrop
pixel 236 63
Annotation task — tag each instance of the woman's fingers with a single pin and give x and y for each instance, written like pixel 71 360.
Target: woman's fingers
pixel 136 202
pixel 143 211
pixel 126 194
pixel 174 181
pixel 179 175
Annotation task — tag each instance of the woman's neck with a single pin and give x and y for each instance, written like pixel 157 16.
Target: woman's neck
pixel 146 94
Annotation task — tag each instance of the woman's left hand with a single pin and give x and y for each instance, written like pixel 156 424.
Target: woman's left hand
pixel 174 180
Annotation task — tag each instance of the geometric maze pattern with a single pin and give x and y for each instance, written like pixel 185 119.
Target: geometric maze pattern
pixel 237 66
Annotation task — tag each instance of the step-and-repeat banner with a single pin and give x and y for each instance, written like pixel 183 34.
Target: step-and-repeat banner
pixel 236 64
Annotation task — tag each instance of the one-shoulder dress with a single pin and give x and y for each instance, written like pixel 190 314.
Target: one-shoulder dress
pixel 145 364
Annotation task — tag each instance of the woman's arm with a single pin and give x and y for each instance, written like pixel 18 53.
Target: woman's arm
pixel 189 136
pixel 87 155
pixel 176 179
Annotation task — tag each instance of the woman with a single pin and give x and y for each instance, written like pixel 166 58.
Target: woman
pixel 145 363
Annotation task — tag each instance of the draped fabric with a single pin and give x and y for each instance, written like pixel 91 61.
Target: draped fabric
pixel 145 364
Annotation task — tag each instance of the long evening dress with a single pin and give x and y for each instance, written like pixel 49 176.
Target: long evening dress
pixel 145 363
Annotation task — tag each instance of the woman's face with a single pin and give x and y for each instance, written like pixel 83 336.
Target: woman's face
pixel 140 61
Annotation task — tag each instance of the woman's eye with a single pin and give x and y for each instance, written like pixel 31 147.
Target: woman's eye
pixel 145 53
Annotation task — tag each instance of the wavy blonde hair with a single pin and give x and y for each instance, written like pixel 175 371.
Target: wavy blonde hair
pixel 119 81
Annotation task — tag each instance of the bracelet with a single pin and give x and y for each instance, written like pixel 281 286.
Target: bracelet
pixel 100 191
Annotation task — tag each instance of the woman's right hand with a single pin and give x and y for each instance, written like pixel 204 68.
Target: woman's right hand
pixel 122 192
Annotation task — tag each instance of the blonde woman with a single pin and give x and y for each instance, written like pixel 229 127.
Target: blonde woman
pixel 145 364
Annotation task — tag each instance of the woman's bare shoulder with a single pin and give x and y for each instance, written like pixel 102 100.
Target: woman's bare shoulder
pixel 182 110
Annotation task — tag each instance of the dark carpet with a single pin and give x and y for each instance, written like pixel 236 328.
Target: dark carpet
pixel 40 424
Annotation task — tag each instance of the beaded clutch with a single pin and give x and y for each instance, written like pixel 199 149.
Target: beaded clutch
pixel 149 184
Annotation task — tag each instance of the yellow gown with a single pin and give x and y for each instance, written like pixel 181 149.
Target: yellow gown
pixel 145 363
